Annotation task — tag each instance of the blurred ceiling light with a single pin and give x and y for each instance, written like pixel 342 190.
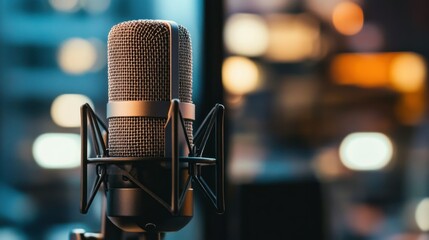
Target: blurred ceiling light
pixel 65 5
pixel 366 151
pixel 402 71
pixel 77 56
pixel 422 214
pixel 292 38
pixel 240 75
pixel 57 150
pixel 348 18
pixel 246 34
pixel 65 109
pixel 408 72
pixel 95 6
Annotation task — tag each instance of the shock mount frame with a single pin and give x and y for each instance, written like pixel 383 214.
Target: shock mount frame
pixel 176 134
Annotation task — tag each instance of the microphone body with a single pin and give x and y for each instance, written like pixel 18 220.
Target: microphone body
pixel 149 63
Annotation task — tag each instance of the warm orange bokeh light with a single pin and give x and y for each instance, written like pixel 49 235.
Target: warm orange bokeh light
pixel 348 18
pixel 293 38
pixel 408 72
pixel 240 75
pixel 365 70
pixel 404 72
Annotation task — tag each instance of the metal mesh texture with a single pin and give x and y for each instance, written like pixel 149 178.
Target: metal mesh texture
pixel 139 69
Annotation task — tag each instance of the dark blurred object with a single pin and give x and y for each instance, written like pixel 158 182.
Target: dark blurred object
pixel 214 225
pixel 288 210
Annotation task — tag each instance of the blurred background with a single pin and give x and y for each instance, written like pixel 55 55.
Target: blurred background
pixel 327 118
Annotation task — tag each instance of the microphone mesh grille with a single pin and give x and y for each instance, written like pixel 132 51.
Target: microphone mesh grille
pixel 139 69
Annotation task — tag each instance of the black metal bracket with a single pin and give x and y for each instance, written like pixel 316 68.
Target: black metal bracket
pixel 214 120
pixel 99 143
pixel 195 159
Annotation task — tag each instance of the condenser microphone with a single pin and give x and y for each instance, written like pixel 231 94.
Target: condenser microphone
pixel 147 157
pixel 149 64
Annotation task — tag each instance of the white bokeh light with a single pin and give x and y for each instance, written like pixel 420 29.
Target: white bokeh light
pixel 366 151
pixel 65 5
pixel 65 109
pixel 57 150
pixel 246 34
pixel 77 56
pixel 422 214
pixel 95 6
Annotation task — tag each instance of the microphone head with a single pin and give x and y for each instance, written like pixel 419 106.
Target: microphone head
pixel 139 70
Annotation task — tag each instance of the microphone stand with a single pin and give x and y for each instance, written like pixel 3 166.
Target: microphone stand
pixel 152 236
pixel 111 232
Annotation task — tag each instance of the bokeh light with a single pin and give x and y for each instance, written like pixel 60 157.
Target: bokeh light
pixel 366 151
pixel 422 214
pixel 65 5
pixel 348 18
pixel 10 233
pixel 235 101
pixel 404 72
pixel 327 164
pixel 408 72
pixel 362 69
pixel 57 150
pixel 246 34
pixel 293 38
pixel 365 219
pixel 246 158
pixel 65 109
pixel 95 6
pixel 240 75
pixel 77 56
